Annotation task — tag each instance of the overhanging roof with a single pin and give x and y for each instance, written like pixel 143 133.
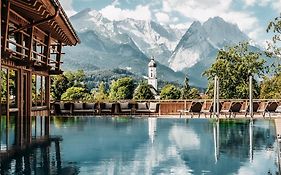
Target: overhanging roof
pixel 59 27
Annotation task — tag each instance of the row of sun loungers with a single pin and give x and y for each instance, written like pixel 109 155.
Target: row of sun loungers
pixel 227 108
pixel 231 108
pixel 127 108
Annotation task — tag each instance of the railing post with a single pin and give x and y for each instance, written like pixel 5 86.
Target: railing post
pixel 215 96
pixel 218 98
pixel 251 96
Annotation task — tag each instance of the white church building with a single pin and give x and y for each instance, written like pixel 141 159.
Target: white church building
pixel 152 76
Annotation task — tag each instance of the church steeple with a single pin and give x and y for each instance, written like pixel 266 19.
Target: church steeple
pixel 152 74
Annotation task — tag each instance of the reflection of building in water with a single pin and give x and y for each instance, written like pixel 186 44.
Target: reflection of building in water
pixel 32 36
pixel 152 127
pixel 45 159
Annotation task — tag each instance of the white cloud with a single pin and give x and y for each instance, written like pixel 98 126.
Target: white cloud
pixel 249 2
pixel 276 5
pixel 181 26
pixel 202 10
pixel 162 17
pixel 114 13
pixel 166 7
pixel 67 6
pixel 257 2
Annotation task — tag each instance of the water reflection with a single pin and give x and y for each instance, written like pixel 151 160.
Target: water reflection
pixel 161 146
pixel 43 160
pixel 152 127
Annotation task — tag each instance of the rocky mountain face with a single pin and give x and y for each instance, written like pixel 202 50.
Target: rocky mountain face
pixel 129 44
pixel 198 47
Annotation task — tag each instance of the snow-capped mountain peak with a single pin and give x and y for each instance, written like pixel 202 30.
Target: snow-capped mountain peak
pixel 198 47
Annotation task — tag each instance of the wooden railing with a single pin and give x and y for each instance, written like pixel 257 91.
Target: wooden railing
pixel 30 47
pixel 173 107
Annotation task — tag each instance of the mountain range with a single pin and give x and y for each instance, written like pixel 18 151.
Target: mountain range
pixel 130 44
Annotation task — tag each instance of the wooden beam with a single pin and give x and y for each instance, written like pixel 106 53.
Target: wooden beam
pixel 36 23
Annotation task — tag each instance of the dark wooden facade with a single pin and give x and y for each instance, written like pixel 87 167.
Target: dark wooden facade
pixel 33 33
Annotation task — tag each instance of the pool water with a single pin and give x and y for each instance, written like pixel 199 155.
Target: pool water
pixel 158 146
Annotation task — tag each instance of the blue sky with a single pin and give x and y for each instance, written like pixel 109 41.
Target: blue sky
pixel 252 16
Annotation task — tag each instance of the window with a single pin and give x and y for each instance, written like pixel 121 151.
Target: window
pixel 4 83
pixel 38 90
pixel 13 89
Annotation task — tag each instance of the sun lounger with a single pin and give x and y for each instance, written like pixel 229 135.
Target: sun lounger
pixel 207 108
pixel 107 108
pixel 144 108
pixel 192 108
pixel 231 108
pixel 84 108
pixel 65 108
pixel 125 108
pixel 246 107
pixel 267 107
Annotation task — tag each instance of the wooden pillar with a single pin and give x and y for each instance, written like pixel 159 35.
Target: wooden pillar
pixel 30 43
pixel 6 17
pixel 0 60
pixel 47 119
pixel 58 58
pixel 18 126
pixel 58 156
pixel 29 106
pixel 8 108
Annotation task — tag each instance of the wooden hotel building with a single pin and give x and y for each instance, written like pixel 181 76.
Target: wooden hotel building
pixel 33 33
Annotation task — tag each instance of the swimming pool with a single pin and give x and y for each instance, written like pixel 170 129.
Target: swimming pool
pixel 106 145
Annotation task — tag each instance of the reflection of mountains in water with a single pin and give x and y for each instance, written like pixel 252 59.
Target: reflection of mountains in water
pixel 145 146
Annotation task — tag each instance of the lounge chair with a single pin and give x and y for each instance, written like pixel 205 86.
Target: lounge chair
pixel 107 108
pixel 196 108
pixel 65 108
pixel 125 108
pixel 154 108
pixel 144 108
pixel 84 108
pixel 245 108
pixel 192 108
pixel 230 107
pixel 207 108
pixel 267 107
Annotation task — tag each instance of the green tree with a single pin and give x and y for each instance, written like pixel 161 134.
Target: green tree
pixel 75 79
pixel 101 94
pixel 170 92
pixel 274 49
pixel 122 89
pixel 270 88
pixel 233 67
pixel 59 86
pixel 143 92
pixel 74 93
pixel 194 93
pixel 186 89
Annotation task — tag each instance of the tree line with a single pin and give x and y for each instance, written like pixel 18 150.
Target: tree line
pixel 71 86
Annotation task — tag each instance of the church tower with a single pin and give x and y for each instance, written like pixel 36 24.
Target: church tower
pixel 152 78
